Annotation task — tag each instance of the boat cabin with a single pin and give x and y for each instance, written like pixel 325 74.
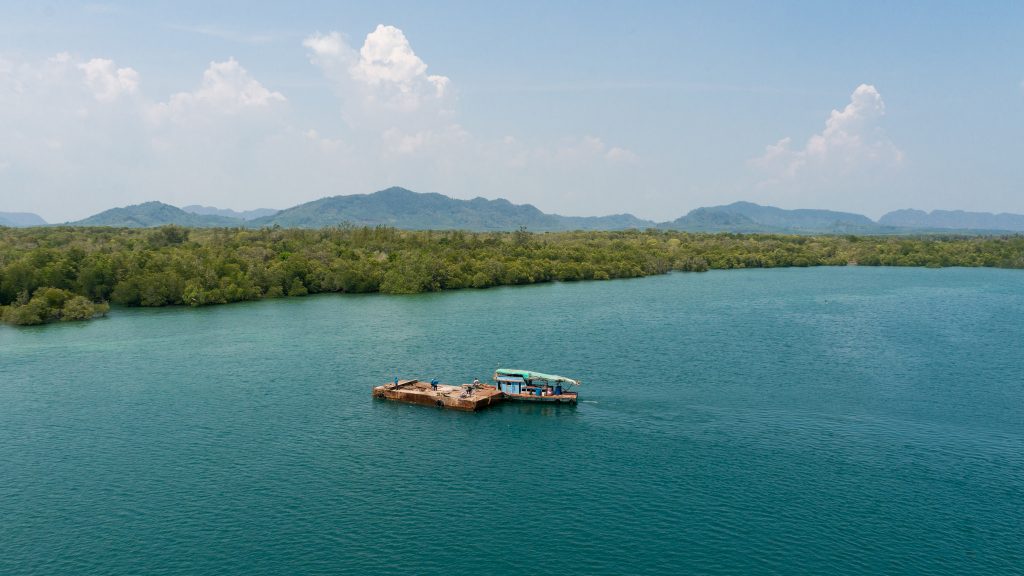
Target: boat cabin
pixel 510 384
pixel 531 386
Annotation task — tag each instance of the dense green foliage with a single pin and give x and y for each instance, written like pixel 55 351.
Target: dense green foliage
pixel 50 305
pixel 175 265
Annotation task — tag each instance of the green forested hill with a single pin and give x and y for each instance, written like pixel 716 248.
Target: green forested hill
pixel 150 214
pixel 746 217
pixel 410 210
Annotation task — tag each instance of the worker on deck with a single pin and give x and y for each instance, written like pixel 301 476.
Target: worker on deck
pixel 476 381
pixel 433 384
pixel 396 380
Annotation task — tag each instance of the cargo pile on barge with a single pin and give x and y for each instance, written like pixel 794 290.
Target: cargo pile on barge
pixel 467 397
pixel 515 385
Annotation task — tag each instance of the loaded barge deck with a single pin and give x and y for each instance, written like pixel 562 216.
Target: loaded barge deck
pixel 455 397
pixel 467 397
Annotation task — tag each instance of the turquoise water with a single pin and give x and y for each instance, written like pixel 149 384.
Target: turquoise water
pixel 797 421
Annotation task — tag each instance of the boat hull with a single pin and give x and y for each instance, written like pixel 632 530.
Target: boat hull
pixel 559 399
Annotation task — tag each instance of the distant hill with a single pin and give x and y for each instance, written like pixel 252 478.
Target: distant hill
pixel 20 219
pixel 750 217
pixel 403 208
pixel 229 213
pixel 155 214
pixel 954 219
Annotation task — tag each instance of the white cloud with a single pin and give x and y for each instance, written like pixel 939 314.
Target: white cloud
pixel 851 140
pixel 226 88
pixel 849 164
pixel 385 72
pixel 328 46
pixel 81 135
pixel 70 126
pixel 107 82
pixel 404 118
pixel 386 60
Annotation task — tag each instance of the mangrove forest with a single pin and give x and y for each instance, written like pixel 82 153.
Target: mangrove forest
pixel 69 273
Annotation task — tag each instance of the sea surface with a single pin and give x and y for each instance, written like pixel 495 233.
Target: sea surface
pixel 790 421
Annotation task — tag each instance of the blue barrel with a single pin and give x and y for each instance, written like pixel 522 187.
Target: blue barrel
pixel 558 390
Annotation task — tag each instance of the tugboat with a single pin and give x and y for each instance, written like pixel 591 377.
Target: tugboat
pixel 530 386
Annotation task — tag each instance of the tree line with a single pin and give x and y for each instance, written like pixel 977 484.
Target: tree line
pixel 71 273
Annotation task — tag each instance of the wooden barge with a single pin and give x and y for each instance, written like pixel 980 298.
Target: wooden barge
pixel 514 385
pixel 469 398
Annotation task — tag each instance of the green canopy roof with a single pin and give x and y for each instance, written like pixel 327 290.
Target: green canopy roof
pixel 531 375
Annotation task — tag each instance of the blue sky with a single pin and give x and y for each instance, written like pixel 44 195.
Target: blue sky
pixel 577 107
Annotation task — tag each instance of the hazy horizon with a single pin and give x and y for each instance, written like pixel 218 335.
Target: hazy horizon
pixel 667 219
pixel 650 109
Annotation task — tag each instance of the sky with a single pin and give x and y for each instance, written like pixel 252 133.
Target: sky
pixel 580 108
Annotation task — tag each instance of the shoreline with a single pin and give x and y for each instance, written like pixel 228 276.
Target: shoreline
pixel 43 270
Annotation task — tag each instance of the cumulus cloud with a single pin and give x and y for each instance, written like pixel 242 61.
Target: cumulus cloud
pixel 851 162
pixel 386 59
pixel 226 88
pixel 328 47
pixel 851 140
pixel 384 72
pixel 82 135
pixel 405 119
pixel 68 124
pixel 108 82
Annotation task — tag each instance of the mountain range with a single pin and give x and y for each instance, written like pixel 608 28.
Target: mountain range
pixel 155 214
pixel 403 208
pixel 406 209
pixel 750 217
